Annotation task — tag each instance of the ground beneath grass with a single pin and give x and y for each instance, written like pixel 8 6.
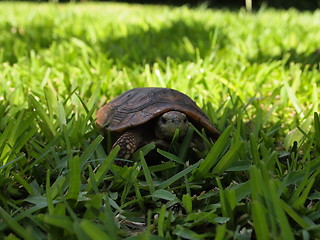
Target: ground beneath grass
pixel 256 75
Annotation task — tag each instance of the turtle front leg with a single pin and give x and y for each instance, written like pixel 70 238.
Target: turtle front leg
pixel 129 141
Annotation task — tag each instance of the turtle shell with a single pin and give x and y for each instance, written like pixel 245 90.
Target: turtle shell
pixel 140 105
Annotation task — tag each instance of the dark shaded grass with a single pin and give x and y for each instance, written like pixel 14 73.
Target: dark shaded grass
pixel 156 44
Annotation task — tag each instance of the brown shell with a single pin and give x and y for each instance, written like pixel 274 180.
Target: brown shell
pixel 139 105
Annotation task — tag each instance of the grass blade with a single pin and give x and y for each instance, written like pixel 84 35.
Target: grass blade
pixel 161 225
pixel 178 175
pixel 147 174
pixel 317 130
pixel 163 194
pixel 187 203
pixel 85 157
pixel 14 225
pixel 59 221
pixel 93 231
pixel 74 178
pixel 46 123
pixel 214 153
pixel 260 223
pixel 230 157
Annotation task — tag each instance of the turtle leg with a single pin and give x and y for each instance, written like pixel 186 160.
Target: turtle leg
pixel 129 141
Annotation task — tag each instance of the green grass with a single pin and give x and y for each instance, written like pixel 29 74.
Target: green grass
pixel 255 75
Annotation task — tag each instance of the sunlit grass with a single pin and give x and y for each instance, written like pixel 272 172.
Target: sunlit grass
pixel 255 75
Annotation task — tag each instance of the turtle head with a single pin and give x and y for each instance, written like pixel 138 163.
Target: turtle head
pixel 168 122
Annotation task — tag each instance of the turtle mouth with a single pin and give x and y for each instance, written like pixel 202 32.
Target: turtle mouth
pixel 169 122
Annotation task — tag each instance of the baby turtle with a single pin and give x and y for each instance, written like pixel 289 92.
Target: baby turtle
pixel 142 115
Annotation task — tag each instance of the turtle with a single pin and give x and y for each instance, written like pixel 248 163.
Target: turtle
pixel 142 115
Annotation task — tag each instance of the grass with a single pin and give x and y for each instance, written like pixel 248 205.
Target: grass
pixel 255 75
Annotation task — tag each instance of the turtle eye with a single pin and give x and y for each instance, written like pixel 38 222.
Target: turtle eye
pixel 163 120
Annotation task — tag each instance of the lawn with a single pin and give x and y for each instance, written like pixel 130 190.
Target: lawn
pixel 254 74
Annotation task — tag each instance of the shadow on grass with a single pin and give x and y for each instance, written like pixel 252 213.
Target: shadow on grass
pixel 291 56
pixel 17 42
pixel 179 40
pixel 311 5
